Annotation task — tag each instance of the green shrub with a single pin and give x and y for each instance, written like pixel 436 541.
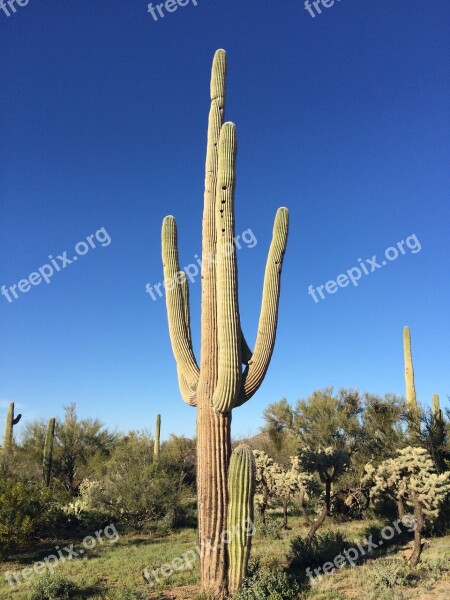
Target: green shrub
pixel 54 587
pixel 315 552
pixel 268 583
pixel 388 573
pixel 271 529
pixel 24 511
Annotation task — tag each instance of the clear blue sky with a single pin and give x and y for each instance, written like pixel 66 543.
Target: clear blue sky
pixel 344 118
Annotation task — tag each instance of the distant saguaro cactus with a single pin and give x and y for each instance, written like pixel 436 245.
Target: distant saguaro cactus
pixel 47 460
pixel 157 438
pixel 10 422
pixel 437 413
pixel 218 385
pixel 411 401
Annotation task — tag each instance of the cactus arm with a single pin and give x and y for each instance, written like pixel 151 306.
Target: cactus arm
pixel 176 305
pixel 17 419
pixel 229 330
pixel 267 326
pixel 241 490
pixel 188 393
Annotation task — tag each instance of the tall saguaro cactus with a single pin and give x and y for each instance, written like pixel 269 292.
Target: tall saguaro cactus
pixel 411 401
pixel 47 459
pixel 219 383
pixel 157 437
pixel 10 422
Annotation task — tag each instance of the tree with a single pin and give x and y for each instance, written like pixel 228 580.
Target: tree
pixel 411 481
pixel 78 445
pixel 329 463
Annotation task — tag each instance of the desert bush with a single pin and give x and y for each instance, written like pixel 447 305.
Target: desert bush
pixel 268 583
pixel 25 510
pixel 271 528
pixel 388 573
pixel 54 587
pixel 315 552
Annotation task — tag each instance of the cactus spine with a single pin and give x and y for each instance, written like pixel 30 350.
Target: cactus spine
pixel 10 422
pixel 218 385
pixel 157 436
pixel 411 401
pixel 241 491
pixel 47 460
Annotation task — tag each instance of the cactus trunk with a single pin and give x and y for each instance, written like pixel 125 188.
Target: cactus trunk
pixel 241 491
pixel 157 438
pixel 219 384
pixel 47 461
pixel 10 422
pixel 411 401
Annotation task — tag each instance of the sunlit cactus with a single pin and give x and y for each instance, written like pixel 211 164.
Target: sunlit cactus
pixel 157 439
pixel 218 383
pixel 241 490
pixel 11 420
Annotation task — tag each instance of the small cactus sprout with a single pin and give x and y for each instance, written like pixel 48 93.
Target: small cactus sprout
pixel 47 460
pixel 157 436
pixel 241 491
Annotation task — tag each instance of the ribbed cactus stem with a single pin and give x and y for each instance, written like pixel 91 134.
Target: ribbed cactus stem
pixel 241 491
pixel 157 438
pixel 411 401
pixel 437 413
pixel 47 461
pixel 10 422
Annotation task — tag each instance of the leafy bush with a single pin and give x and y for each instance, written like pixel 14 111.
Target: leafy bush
pixel 271 529
pixel 54 587
pixel 268 583
pixel 388 573
pixel 316 552
pixel 24 510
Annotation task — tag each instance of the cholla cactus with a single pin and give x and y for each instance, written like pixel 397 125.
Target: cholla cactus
pixel 411 481
pixel 218 383
pixel 288 484
pixel 265 482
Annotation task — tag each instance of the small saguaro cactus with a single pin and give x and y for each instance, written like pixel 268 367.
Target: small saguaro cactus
pixel 157 437
pixel 10 422
pixel 47 460
pixel 411 401
pixel 218 383
pixel 241 491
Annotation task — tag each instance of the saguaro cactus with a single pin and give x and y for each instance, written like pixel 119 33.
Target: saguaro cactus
pixel 241 491
pixel 218 385
pixel 411 401
pixel 10 422
pixel 436 409
pixel 47 460
pixel 157 436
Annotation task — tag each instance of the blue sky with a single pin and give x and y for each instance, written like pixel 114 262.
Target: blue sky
pixel 343 118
